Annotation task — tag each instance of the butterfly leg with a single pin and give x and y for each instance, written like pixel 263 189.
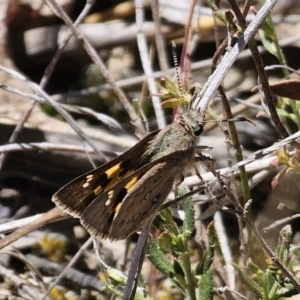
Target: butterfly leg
pixel 201 156
pixel 177 183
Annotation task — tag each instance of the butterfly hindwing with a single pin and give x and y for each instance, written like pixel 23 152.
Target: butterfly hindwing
pixel 144 200
pixel 139 202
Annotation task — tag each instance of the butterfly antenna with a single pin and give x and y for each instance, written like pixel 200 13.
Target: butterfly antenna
pixel 175 60
pixel 238 119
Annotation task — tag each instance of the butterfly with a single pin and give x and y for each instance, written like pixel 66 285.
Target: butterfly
pixel 118 198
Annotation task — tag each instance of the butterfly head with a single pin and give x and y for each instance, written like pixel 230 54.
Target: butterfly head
pixel 192 121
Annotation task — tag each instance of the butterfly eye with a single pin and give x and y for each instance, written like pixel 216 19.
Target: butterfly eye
pixel 198 129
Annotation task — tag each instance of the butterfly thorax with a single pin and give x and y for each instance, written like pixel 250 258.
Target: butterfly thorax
pixel 178 139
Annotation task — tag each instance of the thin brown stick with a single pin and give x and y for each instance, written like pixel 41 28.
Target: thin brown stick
pixel 210 87
pixel 69 265
pixel 19 283
pixel 44 147
pixel 146 64
pixel 136 121
pixel 45 79
pixel 261 72
pixel 159 39
pixel 53 215
pixel 50 68
pixel 246 7
pixel 73 275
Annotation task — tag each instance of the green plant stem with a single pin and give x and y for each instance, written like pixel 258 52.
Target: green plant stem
pixel 186 265
pixel 281 58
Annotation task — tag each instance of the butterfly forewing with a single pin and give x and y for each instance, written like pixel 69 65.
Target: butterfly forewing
pixel 75 196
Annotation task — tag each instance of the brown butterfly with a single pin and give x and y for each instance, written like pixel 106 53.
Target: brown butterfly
pixel 116 199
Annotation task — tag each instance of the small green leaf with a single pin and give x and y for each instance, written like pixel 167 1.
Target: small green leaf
pixel 254 268
pixel 209 257
pixel 249 282
pixel 158 259
pixel 206 285
pixel 189 219
pixel 268 29
pixel 296 252
pixel 170 86
pixel 177 268
pixel 284 243
pixel 166 217
pixel 270 285
pixel 172 95
pixel 116 276
pixel 268 43
pixel 287 291
pixel 198 269
pixel 112 289
pixel 165 243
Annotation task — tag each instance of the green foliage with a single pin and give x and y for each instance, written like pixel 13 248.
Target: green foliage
pixel 270 283
pixel 291 163
pixel 118 281
pixel 172 250
pixel 172 95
